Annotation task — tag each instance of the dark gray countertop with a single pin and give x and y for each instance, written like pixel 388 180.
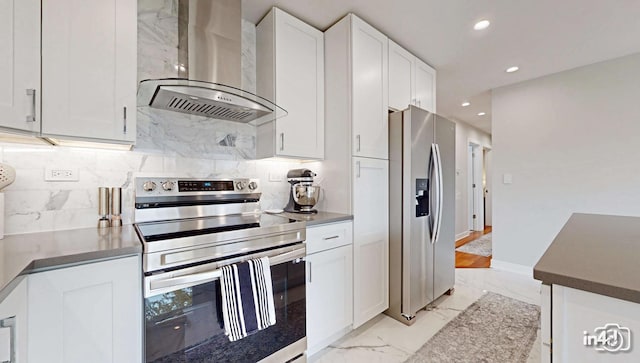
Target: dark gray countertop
pixel 595 253
pixel 319 218
pixel 22 254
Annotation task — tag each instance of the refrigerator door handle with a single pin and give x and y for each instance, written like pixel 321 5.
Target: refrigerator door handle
pixel 440 192
pixel 433 168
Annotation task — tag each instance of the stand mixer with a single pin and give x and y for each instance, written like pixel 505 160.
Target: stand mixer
pixel 304 195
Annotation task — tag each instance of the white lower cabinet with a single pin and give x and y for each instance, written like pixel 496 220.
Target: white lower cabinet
pixel 87 313
pixel 588 327
pixel 13 325
pixel 329 284
pixel 371 238
pixel 545 324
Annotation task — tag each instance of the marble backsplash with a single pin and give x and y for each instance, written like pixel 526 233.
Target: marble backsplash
pixel 32 204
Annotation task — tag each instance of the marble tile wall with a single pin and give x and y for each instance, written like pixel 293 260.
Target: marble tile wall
pixel 167 144
pixel 33 205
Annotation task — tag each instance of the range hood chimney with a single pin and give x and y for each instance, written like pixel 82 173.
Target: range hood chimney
pixel 209 68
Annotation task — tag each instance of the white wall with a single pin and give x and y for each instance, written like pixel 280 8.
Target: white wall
pixel 465 134
pixel 572 143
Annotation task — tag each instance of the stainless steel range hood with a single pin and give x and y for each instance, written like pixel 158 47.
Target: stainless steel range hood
pixel 208 69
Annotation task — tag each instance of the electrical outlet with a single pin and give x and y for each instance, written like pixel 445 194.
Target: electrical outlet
pixel 61 174
pixel 275 177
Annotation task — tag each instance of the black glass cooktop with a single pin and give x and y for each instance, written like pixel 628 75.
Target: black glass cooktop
pixel 157 231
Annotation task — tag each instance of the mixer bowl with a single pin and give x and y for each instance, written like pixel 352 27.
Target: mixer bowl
pixel 306 195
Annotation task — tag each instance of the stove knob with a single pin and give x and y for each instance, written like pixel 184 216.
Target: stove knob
pixel 168 185
pixel 253 185
pixel 240 185
pixel 149 186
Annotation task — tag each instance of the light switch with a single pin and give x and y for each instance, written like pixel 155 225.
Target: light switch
pixel 507 178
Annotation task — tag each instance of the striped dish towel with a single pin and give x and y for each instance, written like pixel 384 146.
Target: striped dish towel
pixel 247 298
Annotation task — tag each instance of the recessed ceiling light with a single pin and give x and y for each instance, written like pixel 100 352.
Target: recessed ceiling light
pixel 512 69
pixel 481 113
pixel 482 24
pixel 465 104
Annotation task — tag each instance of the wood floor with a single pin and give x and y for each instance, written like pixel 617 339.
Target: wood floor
pixel 469 260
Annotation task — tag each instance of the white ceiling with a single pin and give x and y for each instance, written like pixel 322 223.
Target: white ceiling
pixel 539 36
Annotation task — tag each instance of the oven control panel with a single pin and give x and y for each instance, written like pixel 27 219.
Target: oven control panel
pixel 189 186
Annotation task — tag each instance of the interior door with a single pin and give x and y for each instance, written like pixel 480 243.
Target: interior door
pixel 370 238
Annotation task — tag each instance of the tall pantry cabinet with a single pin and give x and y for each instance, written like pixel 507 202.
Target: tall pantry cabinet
pixel 356 164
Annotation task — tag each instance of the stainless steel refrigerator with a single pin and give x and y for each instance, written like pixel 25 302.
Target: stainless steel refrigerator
pixel 421 210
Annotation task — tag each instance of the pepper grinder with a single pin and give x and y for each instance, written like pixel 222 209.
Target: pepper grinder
pixel 103 207
pixel 116 207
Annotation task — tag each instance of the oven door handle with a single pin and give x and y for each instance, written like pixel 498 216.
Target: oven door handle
pixel 206 276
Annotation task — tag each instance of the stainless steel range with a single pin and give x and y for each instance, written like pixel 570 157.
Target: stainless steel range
pixel 189 228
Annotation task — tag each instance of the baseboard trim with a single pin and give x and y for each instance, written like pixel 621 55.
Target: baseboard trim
pixel 462 235
pixel 512 267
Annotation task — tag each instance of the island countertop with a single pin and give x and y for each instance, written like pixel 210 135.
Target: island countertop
pixel 595 253
pixel 23 254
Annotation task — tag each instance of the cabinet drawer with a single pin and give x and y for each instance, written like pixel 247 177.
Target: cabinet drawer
pixel 328 236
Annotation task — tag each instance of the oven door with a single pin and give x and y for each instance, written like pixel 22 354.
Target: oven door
pixel 183 316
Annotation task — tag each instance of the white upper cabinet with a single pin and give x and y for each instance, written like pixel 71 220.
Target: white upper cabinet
pixel 20 65
pixel 425 94
pixel 369 77
pixel 89 65
pixel 290 72
pixel 411 81
pixel 401 77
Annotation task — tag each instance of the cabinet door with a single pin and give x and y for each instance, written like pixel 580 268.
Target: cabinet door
pixel 299 63
pixel 89 69
pixel 370 90
pixel 425 94
pixel 89 313
pixel 20 65
pixel 15 306
pixel 582 321
pixel 401 77
pixel 370 238
pixel 329 296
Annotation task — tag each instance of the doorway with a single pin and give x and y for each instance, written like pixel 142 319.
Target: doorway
pixel 475 188
pixel 475 250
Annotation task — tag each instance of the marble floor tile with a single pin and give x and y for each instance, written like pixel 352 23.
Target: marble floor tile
pixel 384 339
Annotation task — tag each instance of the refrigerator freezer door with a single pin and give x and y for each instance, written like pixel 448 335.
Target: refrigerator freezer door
pixel 418 137
pixel 444 254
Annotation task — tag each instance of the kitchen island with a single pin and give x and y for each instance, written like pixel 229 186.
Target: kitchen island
pixel 591 290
